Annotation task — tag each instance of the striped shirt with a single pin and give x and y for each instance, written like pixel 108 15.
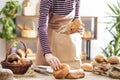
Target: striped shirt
pixel 61 7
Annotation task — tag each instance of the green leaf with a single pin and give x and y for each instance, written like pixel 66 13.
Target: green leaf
pixel 112 9
pixel 105 52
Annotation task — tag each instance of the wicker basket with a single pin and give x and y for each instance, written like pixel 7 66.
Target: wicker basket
pixel 16 68
pixel 29 33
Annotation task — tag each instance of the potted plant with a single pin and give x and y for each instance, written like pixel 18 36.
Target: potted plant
pixel 113 47
pixel 7 17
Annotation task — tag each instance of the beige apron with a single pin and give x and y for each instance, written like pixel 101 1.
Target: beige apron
pixel 67 47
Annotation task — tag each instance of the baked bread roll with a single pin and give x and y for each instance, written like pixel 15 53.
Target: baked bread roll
pixel 20 26
pixel 75 26
pixel 113 60
pixel 29 51
pixel 21 53
pixel 77 23
pixel 87 67
pixel 12 57
pixel 75 74
pixel 100 58
pixel 26 27
pixel 24 61
pixel 62 72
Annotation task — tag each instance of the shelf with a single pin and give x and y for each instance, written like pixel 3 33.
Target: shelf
pixel 17 38
pixel 90 23
pixel 90 26
pixel 22 16
pixel 26 20
pixel 88 38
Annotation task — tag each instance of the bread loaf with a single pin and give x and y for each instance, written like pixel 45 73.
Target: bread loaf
pixel 26 27
pixel 100 58
pixel 75 74
pixel 21 53
pixel 12 57
pixel 29 51
pixel 20 26
pixel 65 73
pixel 114 60
pixel 87 67
pixel 62 72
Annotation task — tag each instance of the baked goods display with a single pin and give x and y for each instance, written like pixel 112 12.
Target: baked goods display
pixel 66 73
pixel 87 67
pixel 100 65
pixel 107 67
pixel 101 68
pixel 15 61
pixel 19 57
pixel 114 70
pixel 27 31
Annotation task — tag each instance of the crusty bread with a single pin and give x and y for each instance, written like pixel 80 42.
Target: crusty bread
pixel 26 27
pixel 100 58
pixel 87 67
pixel 62 72
pixel 114 60
pixel 66 73
pixel 20 26
pixel 75 74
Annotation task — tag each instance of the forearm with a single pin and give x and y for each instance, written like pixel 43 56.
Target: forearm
pixel 43 37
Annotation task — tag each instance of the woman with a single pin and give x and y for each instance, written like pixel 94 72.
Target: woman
pixel 58 15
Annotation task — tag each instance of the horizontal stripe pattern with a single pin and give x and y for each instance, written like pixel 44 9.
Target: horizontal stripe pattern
pixel 61 7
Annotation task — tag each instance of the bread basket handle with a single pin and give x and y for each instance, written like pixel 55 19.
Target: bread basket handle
pixel 33 23
pixel 9 47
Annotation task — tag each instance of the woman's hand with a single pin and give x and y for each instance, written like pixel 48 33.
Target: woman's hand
pixel 53 61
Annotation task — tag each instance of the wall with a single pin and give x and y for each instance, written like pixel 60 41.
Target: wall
pixel 88 8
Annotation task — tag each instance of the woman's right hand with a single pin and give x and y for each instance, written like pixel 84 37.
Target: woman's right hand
pixel 53 61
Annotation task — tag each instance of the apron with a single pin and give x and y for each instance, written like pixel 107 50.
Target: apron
pixel 66 47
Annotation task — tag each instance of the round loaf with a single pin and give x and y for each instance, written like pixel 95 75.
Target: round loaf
pixel 62 72
pixel 113 60
pixel 100 58
pixel 87 67
pixel 75 74
pixel 13 57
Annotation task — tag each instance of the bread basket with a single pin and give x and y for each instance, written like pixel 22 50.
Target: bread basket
pixel 16 68
pixel 29 33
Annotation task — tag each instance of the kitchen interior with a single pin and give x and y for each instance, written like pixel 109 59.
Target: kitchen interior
pixel 96 49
